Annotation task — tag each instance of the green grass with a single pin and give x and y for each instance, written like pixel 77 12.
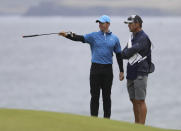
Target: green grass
pixel 27 120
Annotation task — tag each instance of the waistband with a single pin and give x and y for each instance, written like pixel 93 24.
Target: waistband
pixel 101 65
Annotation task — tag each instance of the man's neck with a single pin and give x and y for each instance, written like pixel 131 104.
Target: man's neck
pixel 105 31
pixel 137 30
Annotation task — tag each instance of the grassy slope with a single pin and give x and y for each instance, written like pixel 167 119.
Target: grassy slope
pixel 25 120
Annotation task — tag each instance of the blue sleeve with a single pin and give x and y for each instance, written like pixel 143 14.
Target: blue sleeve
pixel 117 47
pixel 88 38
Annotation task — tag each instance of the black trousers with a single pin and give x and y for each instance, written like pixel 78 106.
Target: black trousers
pixel 101 77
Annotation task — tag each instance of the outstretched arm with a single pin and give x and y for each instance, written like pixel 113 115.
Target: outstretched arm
pixel 72 36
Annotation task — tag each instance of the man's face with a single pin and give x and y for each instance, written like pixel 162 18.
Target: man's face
pixel 104 26
pixel 133 27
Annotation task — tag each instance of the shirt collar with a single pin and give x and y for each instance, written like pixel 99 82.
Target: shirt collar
pixel 109 32
pixel 138 33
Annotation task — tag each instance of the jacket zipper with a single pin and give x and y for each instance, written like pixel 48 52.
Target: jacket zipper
pixel 105 36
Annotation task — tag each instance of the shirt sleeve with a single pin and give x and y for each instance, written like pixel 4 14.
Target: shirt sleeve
pixel 129 52
pixel 88 38
pixel 120 62
pixel 75 37
pixel 117 47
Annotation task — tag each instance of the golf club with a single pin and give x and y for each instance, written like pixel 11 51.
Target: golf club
pixel 26 36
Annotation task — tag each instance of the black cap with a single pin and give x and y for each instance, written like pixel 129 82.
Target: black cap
pixel 134 19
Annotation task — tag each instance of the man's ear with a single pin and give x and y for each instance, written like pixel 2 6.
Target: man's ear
pixel 137 24
pixel 108 24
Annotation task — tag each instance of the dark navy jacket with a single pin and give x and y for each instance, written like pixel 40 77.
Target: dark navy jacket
pixel 140 44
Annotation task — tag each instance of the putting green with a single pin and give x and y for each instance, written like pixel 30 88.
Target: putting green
pixel 27 120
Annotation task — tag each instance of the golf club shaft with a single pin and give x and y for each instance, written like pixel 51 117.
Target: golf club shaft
pixel 26 36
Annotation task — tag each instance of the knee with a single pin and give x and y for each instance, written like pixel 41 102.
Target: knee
pixel 95 98
pixel 95 94
pixel 106 98
pixel 139 102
